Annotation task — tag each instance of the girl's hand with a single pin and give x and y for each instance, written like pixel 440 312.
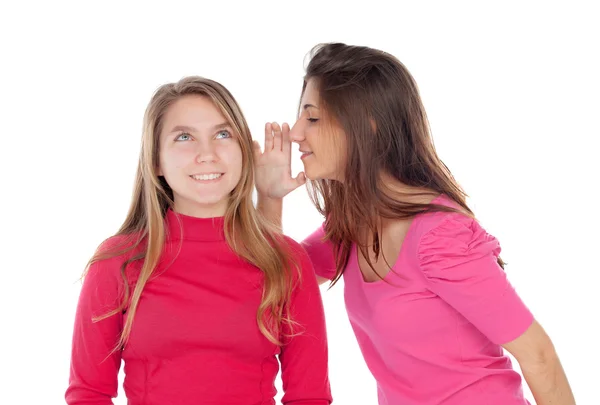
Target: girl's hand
pixel 274 165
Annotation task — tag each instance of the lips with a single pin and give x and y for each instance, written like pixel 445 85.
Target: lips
pixel 305 154
pixel 206 176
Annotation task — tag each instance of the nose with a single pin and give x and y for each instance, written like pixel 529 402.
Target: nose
pixel 206 152
pixel 297 132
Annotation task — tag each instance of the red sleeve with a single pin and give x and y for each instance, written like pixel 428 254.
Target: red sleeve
pixel 304 357
pixel 321 253
pixel 93 376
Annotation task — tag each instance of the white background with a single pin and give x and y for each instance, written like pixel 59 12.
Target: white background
pixel 511 89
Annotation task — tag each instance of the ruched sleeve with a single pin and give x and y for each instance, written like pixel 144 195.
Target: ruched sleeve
pixel 459 261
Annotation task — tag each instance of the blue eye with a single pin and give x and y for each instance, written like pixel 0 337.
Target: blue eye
pixel 223 135
pixel 183 137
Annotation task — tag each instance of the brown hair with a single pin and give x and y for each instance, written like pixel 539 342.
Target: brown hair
pixel 374 99
pixel 248 234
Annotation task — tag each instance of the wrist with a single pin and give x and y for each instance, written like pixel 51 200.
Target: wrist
pixel 271 208
pixel 267 197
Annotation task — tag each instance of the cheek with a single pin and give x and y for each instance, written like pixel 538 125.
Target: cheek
pixel 311 131
pixel 331 151
pixel 323 144
pixel 163 163
pixel 175 158
pixel 231 155
pixel 312 137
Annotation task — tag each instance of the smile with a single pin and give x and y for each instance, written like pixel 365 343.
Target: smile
pixel 305 154
pixel 206 177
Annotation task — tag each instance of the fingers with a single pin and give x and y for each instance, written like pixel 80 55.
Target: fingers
pixel 277 138
pixel 300 179
pixel 286 142
pixel 277 141
pixel 295 182
pixel 268 137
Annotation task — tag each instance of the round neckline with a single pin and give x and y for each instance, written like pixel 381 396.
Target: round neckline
pixel 385 279
pixel 185 227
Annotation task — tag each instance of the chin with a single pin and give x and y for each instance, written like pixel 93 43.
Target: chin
pixel 193 202
pixel 212 202
pixel 319 176
pixel 204 208
pixel 310 176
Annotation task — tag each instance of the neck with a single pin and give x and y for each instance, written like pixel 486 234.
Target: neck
pixel 201 210
pixel 180 226
pixel 402 192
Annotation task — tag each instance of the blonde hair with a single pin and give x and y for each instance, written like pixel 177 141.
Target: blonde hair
pixel 248 234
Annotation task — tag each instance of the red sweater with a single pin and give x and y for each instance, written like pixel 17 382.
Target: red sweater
pixel 195 337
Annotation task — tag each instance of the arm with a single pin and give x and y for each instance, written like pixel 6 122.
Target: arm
pixel 270 208
pixel 321 255
pixel 304 356
pixel 274 172
pixel 93 375
pixel 459 262
pixel 541 367
pixel 274 181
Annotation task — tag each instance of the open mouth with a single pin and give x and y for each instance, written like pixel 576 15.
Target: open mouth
pixel 305 155
pixel 207 177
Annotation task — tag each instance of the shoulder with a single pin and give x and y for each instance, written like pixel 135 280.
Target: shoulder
pixel 452 222
pixel 123 245
pixel 455 230
pixel 454 239
pixel 296 249
pixel 116 242
pixel 299 258
pixel 112 254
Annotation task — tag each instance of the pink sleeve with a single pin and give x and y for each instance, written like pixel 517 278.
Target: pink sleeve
pixel 94 374
pixel 321 253
pixel 459 261
pixel 304 356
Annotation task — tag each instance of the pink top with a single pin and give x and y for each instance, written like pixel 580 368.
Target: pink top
pixel 430 332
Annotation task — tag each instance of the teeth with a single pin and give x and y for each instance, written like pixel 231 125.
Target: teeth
pixel 211 176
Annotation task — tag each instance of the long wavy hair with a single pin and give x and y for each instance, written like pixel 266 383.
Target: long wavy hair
pixel 248 234
pixel 374 99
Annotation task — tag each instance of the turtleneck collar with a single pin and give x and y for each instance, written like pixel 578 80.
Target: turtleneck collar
pixel 195 229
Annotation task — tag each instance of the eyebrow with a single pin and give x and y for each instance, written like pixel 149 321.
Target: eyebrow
pixel 221 126
pixel 310 105
pixel 185 128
